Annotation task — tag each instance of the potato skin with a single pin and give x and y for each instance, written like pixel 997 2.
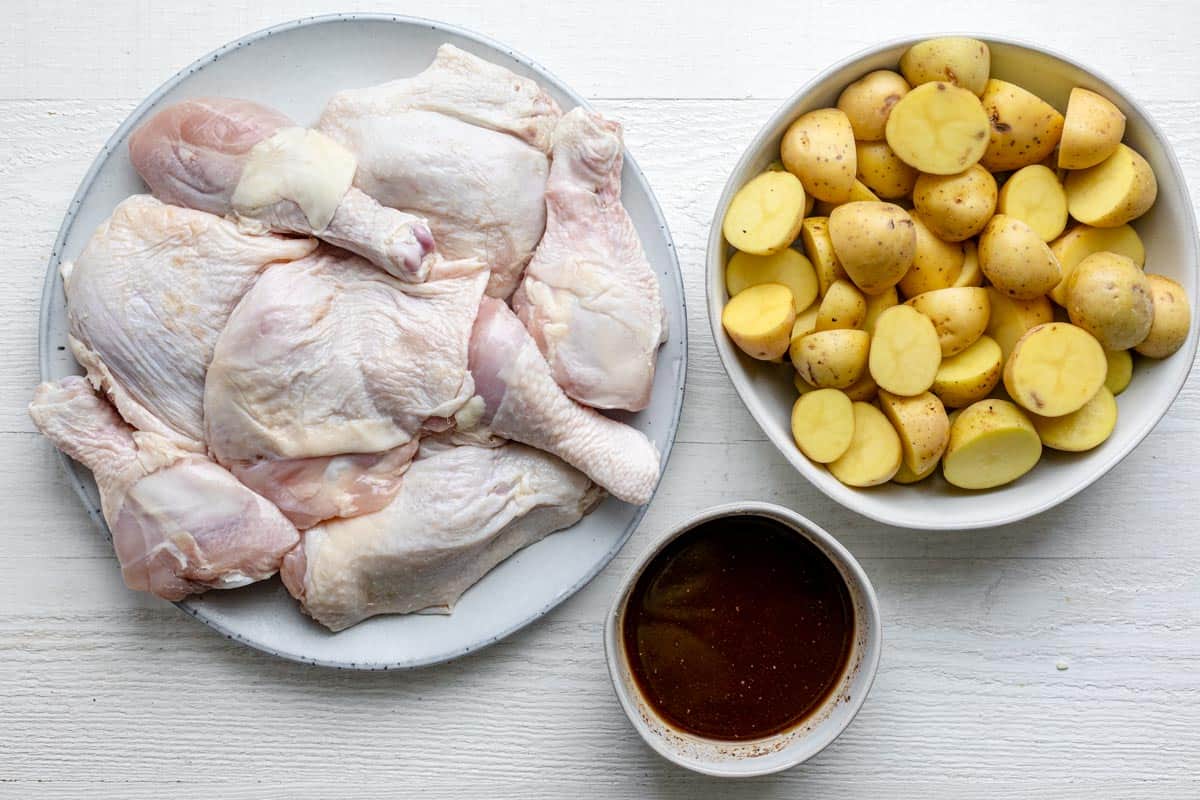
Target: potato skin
pixel 956 207
pixel 874 242
pixel 831 359
pixel 959 315
pixel 868 101
pixel 1025 128
pixel 842 307
pixel 818 148
pixel 1016 260
pixel 923 427
pixel 983 419
pixel 1082 240
pixel 1109 297
pixel 814 235
pixel 883 172
pixel 1091 132
pixel 971 375
pixel 936 263
pixel 1011 318
pixel 958 60
pixel 1172 318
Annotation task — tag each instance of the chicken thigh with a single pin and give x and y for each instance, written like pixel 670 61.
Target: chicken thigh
pixel 146 300
pixel 590 298
pixel 464 145
pixel 328 358
pixel 521 401
pixel 461 510
pixel 180 524
pixel 243 159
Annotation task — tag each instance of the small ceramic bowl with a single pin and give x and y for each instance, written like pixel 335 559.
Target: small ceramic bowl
pixel 741 759
pixel 1168 231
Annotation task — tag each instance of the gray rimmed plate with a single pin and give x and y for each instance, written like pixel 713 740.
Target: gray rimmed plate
pixel 296 67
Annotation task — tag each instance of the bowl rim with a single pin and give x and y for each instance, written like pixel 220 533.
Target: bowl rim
pixel 868 666
pixel 843 495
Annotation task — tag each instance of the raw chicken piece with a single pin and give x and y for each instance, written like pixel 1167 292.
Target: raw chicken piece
pixel 590 298
pixel 464 144
pixel 180 524
pixel 241 158
pixel 522 402
pixel 146 300
pixel 459 513
pixel 327 357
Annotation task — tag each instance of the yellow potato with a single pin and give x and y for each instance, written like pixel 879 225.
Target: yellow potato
pixel 1033 195
pixel 858 192
pixel 788 267
pixel 862 390
pixel 1054 369
pixel 814 234
pixel 823 424
pixel 1119 189
pixel 959 315
pixel 806 322
pixel 1016 260
pixel 970 274
pixel 818 148
pixel 938 128
pixel 874 454
pixel 765 214
pixel 759 320
pixel 1024 127
pixel 936 264
pixel 1172 318
pixel 922 425
pixel 991 443
pixel 1011 318
pixel 956 207
pixel 874 242
pixel 868 101
pixel 1120 370
pixel 883 172
pixel 904 352
pixel 906 476
pixel 1080 430
pixel 955 59
pixel 802 386
pixel 876 305
pixel 1092 130
pixel 831 359
pixel 1109 297
pixel 1082 240
pixel 969 376
pixel 842 307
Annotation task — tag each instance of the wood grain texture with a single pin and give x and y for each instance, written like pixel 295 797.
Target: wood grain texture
pixel 105 693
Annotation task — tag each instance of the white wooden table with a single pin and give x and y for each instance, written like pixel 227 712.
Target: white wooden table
pixel 1055 658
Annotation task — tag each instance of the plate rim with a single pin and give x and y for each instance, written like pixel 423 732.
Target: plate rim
pixel 52 279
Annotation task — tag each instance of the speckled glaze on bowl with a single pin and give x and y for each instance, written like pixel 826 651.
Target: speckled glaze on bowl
pixel 1168 230
pixel 781 751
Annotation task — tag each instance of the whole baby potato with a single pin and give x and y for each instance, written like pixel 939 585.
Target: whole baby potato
pixel 818 148
pixel 956 207
pixel 1016 260
pixel 1172 318
pixel 955 59
pixel 868 101
pixel 1025 128
pixel 1109 297
pixel 884 172
pixel 874 243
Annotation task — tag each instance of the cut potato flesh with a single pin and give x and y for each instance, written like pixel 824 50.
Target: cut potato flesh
pixel 788 267
pixel 765 214
pixel 1054 369
pixel 922 425
pixel 1083 240
pixel 760 319
pixel 814 234
pixel 1120 370
pixel 970 274
pixel 971 375
pixel 1011 318
pixel 1093 129
pixel 1034 196
pixel 1172 318
pixel 876 305
pixel 1080 430
pixel 806 322
pixel 991 443
pixel 938 128
pixel 1119 189
pixel 905 352
pixel 906 476
pixel 874 454
pixel 823 424
pixel 842 307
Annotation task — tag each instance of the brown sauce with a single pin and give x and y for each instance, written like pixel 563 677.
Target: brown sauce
pixel 738 629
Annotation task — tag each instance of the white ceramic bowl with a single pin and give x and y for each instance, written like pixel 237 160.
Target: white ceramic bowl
pixel 1168 230
pixel 783 750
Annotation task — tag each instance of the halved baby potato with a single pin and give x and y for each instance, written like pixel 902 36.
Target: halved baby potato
pixel 1091 132
pixel 1172 318
pixel 1120 370
pixel 959 315
pixel 1054 369
pixel 992 443
pixel 765 214
pixel 1082 240
pixel 1016 260
pixel 818 148
pixel 906 476
pixel 922 425
pixel 1024 128
pixel 842 307
pixel 806 322
pixel 814 234
pixel 1110 298
pixel 970 274
pixel 831 359
pixel 1010 318
pixel 956 59
pixel 1082 429
pixel 877 304
pixel 884 172
pixel 1033 195
pixel 874 243
pixel 971 375
pixel 904 352
pixel 936 264
pixel 868 101
pixel 823 424
pixel 874 454
pixel 956 207
pixel 1119 189
pixel 788 266
pixel 760 319
pixel 938 128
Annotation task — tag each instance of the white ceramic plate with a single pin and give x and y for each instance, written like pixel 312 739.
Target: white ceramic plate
pixel 1168 230
pixel 296 67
